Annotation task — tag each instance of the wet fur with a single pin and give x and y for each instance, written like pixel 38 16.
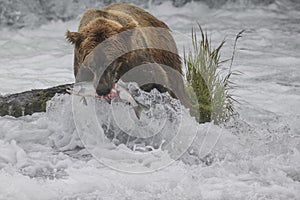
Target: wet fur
pixel 99 25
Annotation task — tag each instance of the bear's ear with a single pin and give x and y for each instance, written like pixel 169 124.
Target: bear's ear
pixel 73 37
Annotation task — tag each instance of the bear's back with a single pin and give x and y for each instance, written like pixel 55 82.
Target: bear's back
pixel 122 14
pixel 142 17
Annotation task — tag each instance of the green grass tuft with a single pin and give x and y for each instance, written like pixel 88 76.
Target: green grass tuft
pixel 211 99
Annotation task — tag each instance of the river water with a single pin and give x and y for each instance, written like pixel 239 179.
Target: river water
pixel 257 152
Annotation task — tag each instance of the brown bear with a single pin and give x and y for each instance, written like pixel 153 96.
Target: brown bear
pixel 116 39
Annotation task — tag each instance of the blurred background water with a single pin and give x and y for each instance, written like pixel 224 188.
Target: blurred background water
pixel 23 13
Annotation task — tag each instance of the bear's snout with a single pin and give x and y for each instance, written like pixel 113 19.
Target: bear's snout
pixel 103 91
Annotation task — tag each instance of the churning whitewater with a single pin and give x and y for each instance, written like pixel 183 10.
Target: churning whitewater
pixel 61 154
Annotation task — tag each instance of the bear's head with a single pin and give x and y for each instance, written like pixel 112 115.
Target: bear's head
pixel 93 46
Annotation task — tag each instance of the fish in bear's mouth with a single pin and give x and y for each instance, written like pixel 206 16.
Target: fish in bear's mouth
pixel 118 91
pixel 114 93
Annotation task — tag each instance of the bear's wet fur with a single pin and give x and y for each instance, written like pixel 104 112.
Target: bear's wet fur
pixel 109 24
